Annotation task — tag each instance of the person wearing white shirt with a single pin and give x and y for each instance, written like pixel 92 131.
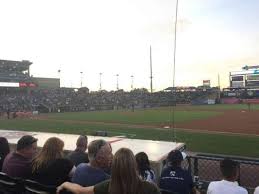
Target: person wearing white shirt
pixel 229 184
pixel 256 190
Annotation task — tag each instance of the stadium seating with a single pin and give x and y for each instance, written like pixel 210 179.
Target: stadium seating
pixel 32 187
pixel 9 185
pixel 67 99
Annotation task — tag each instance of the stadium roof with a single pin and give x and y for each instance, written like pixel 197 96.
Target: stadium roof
pixel 15 65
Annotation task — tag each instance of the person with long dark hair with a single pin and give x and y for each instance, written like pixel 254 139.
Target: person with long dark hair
pixel 124 179
pixel 4 150
pixel 144 169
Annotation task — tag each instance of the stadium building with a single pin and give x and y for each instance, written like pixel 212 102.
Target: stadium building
pixel 18 89
pixel 16 74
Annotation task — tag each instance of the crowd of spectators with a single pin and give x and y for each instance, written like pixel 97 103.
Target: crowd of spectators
pixel 98 171
pixel 67 99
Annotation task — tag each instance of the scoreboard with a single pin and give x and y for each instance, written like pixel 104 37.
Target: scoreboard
pixel 247 78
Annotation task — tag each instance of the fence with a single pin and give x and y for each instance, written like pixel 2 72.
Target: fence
pixel 206 168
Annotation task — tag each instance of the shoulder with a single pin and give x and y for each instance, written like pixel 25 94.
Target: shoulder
pixel 256 190
pixel 8 156
pixel 77 153
pixel 242 190
pixel 166 170
pixel 82 167
pixel 14 155
pixel 70 154
pixel 214 184
pixel 78 157
pixel 149 187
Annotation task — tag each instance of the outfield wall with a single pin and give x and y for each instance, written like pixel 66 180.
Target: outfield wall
pixel 230 100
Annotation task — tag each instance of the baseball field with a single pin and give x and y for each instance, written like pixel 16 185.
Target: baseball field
pixel 219 129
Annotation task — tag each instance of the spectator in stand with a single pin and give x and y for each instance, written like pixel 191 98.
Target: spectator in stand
pixel 4 150
pixel 79 156
pixel 100 156
pixel 229 184
pixel 124 179
pixel 49 167
pixel 18 163
pixel 145 172
pixel 174 178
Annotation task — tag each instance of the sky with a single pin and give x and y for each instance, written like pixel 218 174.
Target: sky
pixel 113 37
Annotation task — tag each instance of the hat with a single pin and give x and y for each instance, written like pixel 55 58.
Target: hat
pixel 25 141
pixel 176 155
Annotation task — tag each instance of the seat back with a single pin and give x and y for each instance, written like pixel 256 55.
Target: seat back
pixel 9 185
pixel 33 187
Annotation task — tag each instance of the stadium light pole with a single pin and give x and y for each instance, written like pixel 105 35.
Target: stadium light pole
pixel 174 103
pixel 100 81
pixel 81 79
pixel 218 86
pixel 132 79
pixel 151 71
pixel 117 75
pixel 59 72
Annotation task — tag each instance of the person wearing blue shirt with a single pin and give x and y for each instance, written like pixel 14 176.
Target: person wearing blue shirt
pixel 100 157
pixel 174 178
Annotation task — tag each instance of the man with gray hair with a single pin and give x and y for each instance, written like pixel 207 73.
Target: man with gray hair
pixel 100 157
pixel 79 155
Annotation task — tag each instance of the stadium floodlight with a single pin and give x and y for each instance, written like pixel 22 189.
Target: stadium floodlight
pixel 132 79
pixel 117 83
pixel 81 79
pixel 151 72
pixel 59 72
pixel 100 80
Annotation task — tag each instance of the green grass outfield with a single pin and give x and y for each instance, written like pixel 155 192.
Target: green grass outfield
pixel 136 125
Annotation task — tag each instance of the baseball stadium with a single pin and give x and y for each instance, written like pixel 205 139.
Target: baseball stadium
pixel 176 130
pixel 209 122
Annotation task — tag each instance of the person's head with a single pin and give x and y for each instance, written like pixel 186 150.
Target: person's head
pixel 81 143
pixel 27 146
pixel 229 169
pixel 175 158
pixel 4 148
pixel 124 175
pixel 142 162
pixel 52 150
pixel 100 154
